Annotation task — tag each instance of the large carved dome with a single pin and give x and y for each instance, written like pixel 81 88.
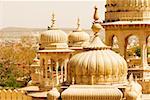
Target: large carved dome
pixel 127 10
pixel 98 64
pixel 104 66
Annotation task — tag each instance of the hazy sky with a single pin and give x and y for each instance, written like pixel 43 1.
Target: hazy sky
pixel 38 13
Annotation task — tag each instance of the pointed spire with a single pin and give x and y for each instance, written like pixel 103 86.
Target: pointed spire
pixel 96 17
pixel 96 27
pixel 96 42
pixel 78 26
pixel 53 26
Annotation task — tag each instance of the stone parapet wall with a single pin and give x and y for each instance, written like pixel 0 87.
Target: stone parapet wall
pixel 13 95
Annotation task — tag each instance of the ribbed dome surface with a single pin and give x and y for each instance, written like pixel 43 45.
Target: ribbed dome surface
pixel 77 38
pixel 53 39
pixel 54 36
pixel 105 66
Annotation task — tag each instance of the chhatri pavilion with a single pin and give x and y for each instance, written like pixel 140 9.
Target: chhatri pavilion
pixel 87 69
pixel 77 66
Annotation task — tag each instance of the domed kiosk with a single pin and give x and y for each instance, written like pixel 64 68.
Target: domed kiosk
pixel 92 70
pixel 98 64
pixel 54 55
pixel 54 38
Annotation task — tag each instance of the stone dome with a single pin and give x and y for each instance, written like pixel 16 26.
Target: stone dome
pixel 78 37
pixel 53 38
pixel 53 94
pixel 103 65
pixel 98 64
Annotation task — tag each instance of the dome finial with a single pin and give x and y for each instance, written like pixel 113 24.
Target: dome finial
pixel 96 27
pixel 78 23
pixel 96 17
pixel 78 26
pixel 53 21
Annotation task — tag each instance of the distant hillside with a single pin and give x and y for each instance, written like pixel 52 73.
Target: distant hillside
pixel 17 32
pixel 20 29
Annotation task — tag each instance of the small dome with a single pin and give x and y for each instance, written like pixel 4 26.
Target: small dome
pixel 78 37
pixel 53 94
pixel 53 38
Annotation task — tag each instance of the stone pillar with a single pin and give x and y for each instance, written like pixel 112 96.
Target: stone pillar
pixel 137 2
pixel 46 65
pixel 122 47
pixel 62 71
pixel 65 66
pixel 147 3
pixel 50 69
pixel 52 66
pixel 41 69
pixel 130 2
pixel 108 39
pixel 134 2
pixel 57 77
pixel 143 46
pixel 46 78
pixel 142 2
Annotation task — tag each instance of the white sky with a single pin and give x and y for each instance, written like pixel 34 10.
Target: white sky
pixel 38 13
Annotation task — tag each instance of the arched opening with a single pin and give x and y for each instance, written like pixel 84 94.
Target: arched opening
pixel 133 51
pixel 148 50
pixel 115 45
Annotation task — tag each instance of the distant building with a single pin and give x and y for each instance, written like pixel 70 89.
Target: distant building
pixel 126 18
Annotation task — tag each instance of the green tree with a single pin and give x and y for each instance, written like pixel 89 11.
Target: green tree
pixel 15 59
pixel 138 51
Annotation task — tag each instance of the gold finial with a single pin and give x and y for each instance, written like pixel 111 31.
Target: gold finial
pixel 96 17
pixel 78 23
pixel 78 26
pixel 53 21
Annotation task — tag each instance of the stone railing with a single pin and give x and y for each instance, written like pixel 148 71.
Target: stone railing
pixel 13 95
